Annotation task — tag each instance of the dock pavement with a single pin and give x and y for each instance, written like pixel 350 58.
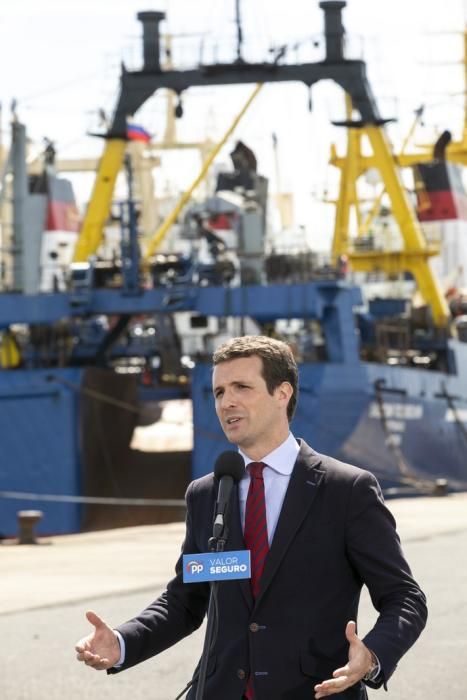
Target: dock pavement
pixel 45 589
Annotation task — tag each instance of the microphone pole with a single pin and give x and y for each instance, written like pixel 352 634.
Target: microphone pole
pixel 229 469
pixel 214 546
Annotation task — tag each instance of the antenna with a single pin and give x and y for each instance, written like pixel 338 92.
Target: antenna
pixel 238 22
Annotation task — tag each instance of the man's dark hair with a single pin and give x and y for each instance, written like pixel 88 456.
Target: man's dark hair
pixel 277 358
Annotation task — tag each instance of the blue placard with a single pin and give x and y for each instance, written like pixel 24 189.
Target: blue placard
pixel 216 566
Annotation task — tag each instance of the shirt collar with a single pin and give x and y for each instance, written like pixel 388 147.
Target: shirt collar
pixel 282 459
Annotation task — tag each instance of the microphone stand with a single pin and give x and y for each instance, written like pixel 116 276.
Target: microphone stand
pixel 216 544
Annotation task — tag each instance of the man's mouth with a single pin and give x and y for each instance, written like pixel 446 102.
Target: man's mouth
pixel 231 421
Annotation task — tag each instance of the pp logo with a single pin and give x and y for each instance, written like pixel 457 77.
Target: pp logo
pixel 194 567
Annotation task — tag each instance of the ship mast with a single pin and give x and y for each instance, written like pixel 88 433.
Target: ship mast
pixel 238 22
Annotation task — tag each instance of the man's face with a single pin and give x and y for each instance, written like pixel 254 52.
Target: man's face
pixel 250 416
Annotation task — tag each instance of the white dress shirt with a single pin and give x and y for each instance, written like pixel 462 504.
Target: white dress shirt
pixel 276 474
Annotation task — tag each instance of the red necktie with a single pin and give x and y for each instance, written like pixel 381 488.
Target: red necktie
pixel 256 528
pixel 256 534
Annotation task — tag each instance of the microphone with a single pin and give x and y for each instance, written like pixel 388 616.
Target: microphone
pixel 228 470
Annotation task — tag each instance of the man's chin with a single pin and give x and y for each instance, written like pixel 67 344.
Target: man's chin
pixel 234 437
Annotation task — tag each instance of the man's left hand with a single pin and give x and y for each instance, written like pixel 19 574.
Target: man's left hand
pixel 360 662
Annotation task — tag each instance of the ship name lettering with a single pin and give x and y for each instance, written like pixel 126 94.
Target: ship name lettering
pixel 397 411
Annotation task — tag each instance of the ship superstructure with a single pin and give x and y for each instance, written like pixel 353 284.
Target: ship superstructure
pixel 94 354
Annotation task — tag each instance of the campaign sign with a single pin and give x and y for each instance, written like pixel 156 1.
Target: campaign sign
pixel 216 566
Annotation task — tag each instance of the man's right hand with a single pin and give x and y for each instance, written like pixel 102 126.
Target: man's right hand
pixel 101 648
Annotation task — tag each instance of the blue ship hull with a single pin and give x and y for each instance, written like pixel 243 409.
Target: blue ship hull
pixel 396 422
pixel 407 425
pixel 39 434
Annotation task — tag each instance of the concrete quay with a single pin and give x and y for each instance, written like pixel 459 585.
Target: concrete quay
pixel 45 589
pixel 77 567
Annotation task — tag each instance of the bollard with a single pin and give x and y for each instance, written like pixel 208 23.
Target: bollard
pixel 440 488
pixel 27 520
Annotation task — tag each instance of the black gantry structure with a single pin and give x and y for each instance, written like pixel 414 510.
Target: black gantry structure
pixel 137 86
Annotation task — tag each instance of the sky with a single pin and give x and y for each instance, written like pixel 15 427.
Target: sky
pixel 61 62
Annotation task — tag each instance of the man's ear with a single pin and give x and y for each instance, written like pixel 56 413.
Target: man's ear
pixel 284 392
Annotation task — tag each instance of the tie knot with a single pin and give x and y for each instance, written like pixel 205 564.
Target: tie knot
pixel 256 470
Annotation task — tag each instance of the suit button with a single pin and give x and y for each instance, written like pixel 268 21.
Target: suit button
pixel 254 627
pixel 241 674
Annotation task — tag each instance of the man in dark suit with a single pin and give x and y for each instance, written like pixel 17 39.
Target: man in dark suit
pixel 324 531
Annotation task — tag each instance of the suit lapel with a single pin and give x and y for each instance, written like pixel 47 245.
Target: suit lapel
pixel 303 486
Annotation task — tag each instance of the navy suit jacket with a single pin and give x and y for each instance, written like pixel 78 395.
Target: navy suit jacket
pixel 334 535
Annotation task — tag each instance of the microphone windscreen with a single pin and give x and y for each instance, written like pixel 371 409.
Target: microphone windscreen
pixel 229 463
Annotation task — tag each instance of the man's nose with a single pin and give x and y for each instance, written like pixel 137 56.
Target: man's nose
pixel 228 399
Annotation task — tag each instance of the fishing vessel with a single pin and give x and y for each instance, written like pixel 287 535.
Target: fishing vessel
pixel 110 344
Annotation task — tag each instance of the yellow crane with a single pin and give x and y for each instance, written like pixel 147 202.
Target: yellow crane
pixel 98 209
pixel 416 251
